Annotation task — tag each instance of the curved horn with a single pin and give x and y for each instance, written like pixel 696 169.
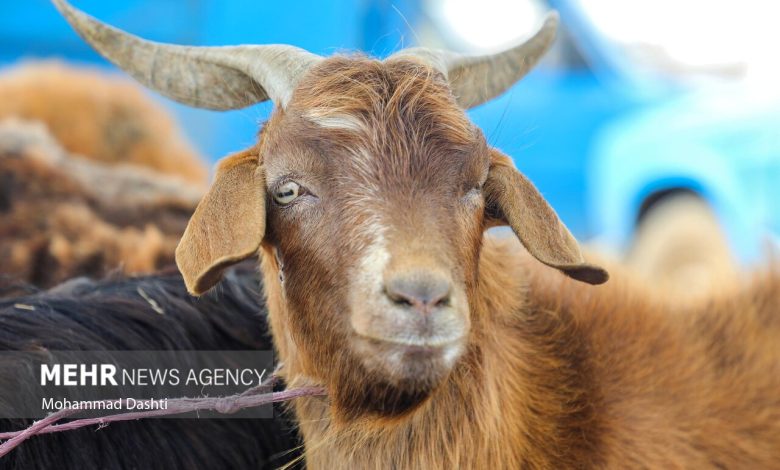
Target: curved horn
pixel 475 79
pixel 218 78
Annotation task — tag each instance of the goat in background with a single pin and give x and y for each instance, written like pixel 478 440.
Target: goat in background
pixel 94 176
pixel 100 117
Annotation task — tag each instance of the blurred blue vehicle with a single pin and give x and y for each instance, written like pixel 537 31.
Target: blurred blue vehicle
pixel 606 138
pixel 686 133
pixel 602 139
pixel 720 144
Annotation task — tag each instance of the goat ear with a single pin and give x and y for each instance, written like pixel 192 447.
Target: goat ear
pixel 228 224
pixel 513 200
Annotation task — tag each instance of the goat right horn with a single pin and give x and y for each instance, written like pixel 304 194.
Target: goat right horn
pixel 475 79
pixel 219 78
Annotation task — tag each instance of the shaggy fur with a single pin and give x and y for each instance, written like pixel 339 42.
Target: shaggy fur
pixel 62 216
pixel 553 373
pixel 101 117
pixel 112 315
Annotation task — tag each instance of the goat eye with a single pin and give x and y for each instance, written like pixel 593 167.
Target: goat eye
pixel 287 192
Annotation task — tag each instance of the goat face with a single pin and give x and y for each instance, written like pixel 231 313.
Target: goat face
pixel 367 196
pixel 375 215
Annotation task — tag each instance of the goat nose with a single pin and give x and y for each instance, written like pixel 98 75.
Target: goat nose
pixel 422 292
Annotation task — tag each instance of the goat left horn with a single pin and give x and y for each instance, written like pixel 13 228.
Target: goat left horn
pixel 218 78
pixel 478 78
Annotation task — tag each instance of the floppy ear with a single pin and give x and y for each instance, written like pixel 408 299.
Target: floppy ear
pixel 228 224
pixel 513 200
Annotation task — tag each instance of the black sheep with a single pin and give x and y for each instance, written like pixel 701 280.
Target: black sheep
pixel 114 315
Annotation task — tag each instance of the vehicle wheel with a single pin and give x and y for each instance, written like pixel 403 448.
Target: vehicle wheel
pixel 680 247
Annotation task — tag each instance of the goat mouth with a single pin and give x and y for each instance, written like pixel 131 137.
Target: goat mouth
pixel 410 356
pixel 414 343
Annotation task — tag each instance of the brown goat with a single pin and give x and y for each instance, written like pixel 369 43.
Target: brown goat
pixel 442 347
pixel 100 117
pixel 62 216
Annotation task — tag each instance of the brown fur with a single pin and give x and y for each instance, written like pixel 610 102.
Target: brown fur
pixel 101 117
pixel 61 216
pixel 552 373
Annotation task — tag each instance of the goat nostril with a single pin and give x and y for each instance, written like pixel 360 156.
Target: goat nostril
pixel 398 298
pixel 423 293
